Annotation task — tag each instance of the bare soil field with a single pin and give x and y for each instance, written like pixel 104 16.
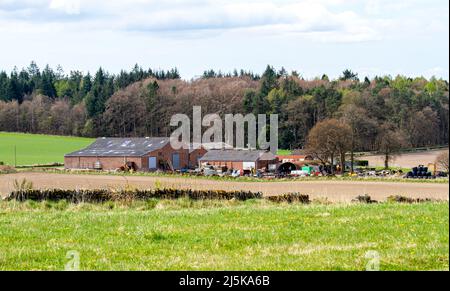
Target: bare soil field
pixel 334 191
pixel 408 160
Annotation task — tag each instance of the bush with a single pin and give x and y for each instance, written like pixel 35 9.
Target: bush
pixel 364 199
pixel 290 198
pixel 99 196
pixel 408 200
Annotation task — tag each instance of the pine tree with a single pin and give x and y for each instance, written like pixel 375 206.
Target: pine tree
pixel 269 81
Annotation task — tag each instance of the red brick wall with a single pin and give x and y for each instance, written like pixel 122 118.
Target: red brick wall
pixel 264 164
pixel 240 165
pixel 113 163
pixel 165 154
pixel 107 163
pixel 194 156
pixel 229 165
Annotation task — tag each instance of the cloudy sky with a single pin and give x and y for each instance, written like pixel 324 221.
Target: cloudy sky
pixel 371 37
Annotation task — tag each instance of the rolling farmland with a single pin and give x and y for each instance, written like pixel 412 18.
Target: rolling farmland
pixel 37 149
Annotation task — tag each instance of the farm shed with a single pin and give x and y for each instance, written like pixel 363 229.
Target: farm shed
pixel 194 156
pixel 294 158
pixel 140 154
pixel 239 159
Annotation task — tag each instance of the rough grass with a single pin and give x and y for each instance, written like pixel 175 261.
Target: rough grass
pixel 226 235
pixel 38 149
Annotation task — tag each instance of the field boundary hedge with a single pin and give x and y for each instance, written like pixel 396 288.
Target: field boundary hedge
pixel 100 196
pixel 79 196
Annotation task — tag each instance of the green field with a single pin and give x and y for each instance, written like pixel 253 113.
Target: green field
pixel 284 152
pixel 213 235
pixel 34 149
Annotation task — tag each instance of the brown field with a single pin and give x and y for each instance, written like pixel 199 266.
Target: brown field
pixel 408 160
pixel 334 191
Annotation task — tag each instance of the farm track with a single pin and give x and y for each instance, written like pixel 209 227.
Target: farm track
pixel 407 160
pixel 334 191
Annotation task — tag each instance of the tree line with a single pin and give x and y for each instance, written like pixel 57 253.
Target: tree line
pixel 377 114
pixel 75 86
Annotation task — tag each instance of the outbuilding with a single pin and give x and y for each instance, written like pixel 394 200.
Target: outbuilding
pixel 244 160
pixel 139 154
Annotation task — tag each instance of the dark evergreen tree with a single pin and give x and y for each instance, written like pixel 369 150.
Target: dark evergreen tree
pixel 269 81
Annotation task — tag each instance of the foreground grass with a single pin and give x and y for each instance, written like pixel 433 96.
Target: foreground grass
pixel 213 235
pixel 38 149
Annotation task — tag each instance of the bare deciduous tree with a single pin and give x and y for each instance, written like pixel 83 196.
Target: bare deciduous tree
pixel 390 141
pixel 443 161
pixel 328 139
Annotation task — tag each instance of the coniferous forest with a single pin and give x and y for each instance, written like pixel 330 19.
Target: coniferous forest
pixel 413 111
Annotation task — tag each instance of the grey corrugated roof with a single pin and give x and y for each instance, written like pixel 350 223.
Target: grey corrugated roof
pixel 121 147
pixel 237 156
pixel 210 146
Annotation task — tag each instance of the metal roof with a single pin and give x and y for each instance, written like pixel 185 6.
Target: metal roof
pixel 237 156
pixel 122 147
pixel 210 146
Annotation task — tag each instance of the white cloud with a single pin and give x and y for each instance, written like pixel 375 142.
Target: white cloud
pixel 315 35
pixel 68 6
pixel 316 20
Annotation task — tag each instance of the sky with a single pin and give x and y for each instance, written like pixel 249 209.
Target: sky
pixel 313 37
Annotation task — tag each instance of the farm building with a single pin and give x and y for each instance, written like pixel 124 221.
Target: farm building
pixel 294 158
pixel 294 162
pixel 139 154
pixel 239 159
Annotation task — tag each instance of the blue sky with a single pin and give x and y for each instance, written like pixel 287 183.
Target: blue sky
pixel 372 37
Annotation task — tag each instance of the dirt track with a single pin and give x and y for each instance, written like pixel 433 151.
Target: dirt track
pixel 336 191
pixel 409 160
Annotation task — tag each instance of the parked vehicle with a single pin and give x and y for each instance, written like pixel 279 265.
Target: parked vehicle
pixel 236 173
pixel 300 173
pixel 209 172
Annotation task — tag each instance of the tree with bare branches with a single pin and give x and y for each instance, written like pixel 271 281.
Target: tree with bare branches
pixel 442 161
pixel 329 139
pixel 390 141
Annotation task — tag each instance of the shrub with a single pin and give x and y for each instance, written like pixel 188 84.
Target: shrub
pixel 364 199
pixel 408 200
pixel 290 198
pixel 79 196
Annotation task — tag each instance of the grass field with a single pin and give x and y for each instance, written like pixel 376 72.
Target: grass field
pixel 213 235
pixel 38 149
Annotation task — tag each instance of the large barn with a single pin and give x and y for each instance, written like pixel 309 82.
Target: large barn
pixel 140 154
pixel 239 159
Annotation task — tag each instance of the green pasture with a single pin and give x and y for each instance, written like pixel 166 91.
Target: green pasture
pixel 219 235
pixel 30 149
